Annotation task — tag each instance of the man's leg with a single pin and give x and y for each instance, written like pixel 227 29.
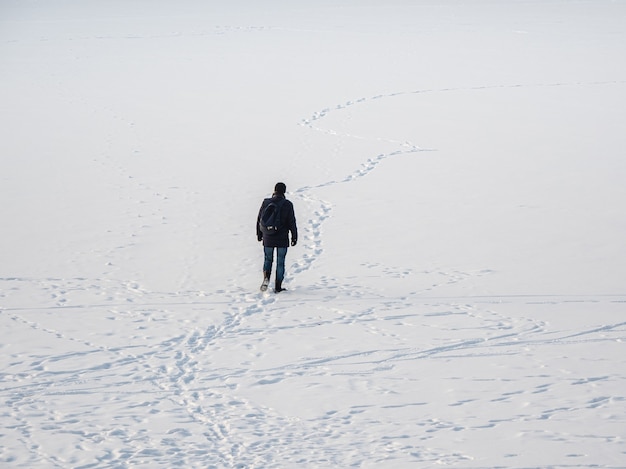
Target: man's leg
pixel 267 266
pixel 281 253
pixel 268 260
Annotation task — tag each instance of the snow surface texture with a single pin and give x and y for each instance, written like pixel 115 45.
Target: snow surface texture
pixel 456 297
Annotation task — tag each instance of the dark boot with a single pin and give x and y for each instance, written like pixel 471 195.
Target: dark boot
pixel 266 281
pixel 279 286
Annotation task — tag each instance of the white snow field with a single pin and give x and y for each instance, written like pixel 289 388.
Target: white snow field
pixel 457 297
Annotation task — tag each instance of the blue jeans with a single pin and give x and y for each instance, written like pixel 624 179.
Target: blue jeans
pixel 280 261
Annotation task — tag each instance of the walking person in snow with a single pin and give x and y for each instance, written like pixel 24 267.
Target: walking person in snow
pixel 275 221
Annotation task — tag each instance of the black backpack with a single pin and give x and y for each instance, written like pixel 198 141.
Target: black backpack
pixel 270 222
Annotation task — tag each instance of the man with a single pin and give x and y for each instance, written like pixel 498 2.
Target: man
pixel 279 240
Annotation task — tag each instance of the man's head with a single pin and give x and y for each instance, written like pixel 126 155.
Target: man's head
pixel 280 188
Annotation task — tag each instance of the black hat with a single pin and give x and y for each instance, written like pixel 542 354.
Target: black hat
pixel 280 188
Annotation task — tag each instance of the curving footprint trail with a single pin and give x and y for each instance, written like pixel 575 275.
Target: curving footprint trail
pixel 313 229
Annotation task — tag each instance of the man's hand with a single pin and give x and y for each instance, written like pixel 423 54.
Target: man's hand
pixel 294 242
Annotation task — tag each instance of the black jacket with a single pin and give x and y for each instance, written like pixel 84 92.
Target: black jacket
pixel 288 222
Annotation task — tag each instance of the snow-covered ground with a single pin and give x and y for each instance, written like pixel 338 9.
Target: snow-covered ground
pixel 457 297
